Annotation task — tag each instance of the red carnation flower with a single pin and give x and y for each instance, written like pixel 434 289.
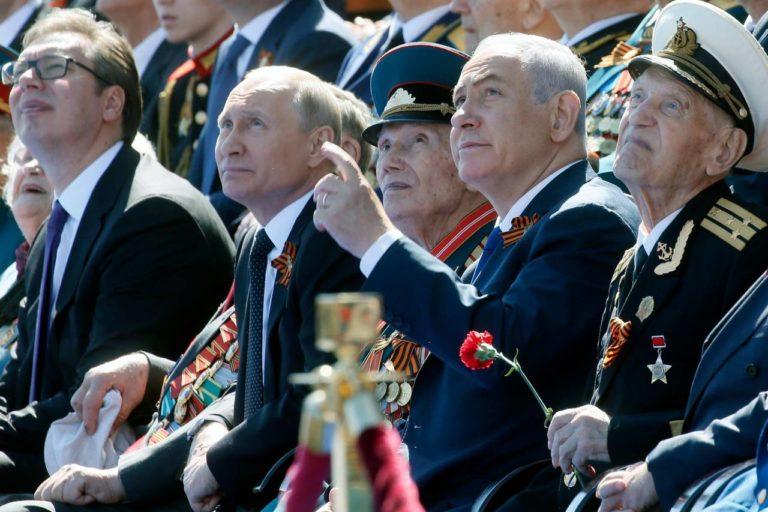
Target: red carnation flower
pixel 477 352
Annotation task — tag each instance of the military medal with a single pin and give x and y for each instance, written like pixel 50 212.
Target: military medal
pixel 406 391
pixel 180 409
pixel 381 391
pixel 393 390
pixel 659 369
pixel 645 308
pixel 231 351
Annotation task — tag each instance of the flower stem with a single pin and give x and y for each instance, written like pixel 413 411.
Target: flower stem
pixel 516 367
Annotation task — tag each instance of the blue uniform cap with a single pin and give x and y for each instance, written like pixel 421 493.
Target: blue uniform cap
pixel 413 83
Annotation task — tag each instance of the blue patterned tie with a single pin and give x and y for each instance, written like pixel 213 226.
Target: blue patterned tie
pixel 225 78
pixel 494 239
pixel 43 324
pixel 254 374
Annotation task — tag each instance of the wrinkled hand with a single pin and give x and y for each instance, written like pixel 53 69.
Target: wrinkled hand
pixel 628 490
pixel 127 374
pixel 347 206
pixel 577 436
pixel 200 485
pixel 78 485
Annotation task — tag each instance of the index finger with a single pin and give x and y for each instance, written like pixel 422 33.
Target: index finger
pixel 346 165
pixel 561 419
pixel 92 401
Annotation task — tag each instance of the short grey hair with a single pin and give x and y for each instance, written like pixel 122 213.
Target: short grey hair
pixel 312 98
pixel 551 66
pixel 355 117
pixel 10 168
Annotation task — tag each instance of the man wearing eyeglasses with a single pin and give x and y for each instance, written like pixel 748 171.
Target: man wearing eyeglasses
pixel 125 241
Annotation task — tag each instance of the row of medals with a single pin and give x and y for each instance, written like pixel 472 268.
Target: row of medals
pixel 603 119
pixel 180 409
pixel 395 393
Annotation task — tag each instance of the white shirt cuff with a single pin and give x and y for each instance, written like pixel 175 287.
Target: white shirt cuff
pixel 376 251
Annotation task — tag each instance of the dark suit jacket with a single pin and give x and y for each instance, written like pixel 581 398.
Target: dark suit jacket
pixel 601 43
pixel 542 296
pixel 446 31
pixel 732 371
pixel 688 300
pixel 306 35
pixel 164 61
pixel 244 456
pixel 146 240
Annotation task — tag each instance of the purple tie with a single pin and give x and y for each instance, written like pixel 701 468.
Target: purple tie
pixel 52 238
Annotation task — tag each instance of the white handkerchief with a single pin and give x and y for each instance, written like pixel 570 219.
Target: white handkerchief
pixel 68 443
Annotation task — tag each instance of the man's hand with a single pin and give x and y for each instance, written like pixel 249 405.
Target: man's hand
pixel 347 206
pixel 78 485
pixel 628 490
pixel 200 485
pixel 577 436
pixel 127 374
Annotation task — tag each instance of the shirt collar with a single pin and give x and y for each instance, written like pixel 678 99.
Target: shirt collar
pixel 414 27
pixel 281 224
pixel 12 25
pixel 594 28
pixel 648 240
pixel 146 49
pixel 75 197
pixel 520 205
pixel 254 29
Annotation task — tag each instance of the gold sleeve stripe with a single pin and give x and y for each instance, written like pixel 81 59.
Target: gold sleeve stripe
pixel 623 263
pixel 736 225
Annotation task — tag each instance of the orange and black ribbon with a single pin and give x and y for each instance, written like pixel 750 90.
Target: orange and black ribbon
pixel 284 263
pixel 519 226
pixel 620 331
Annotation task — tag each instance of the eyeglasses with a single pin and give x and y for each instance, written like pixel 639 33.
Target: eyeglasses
pixel 48 67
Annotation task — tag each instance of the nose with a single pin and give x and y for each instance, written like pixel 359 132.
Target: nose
pixel 460 6
pixel 465 117
pixel 29 79
pixel 228 144
pixel 641 113
pixel 392 160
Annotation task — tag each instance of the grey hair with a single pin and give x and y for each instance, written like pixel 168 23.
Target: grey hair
pixel 312 98
pixel 355 117
pixel 9 168
pixel 551 66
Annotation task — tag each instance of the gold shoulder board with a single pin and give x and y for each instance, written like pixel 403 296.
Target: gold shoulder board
pixel 732 223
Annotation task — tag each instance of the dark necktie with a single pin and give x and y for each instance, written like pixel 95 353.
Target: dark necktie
pixel 43 324
pixel 254 374
pixel 493 242
pixel 640 258
pixel 225 78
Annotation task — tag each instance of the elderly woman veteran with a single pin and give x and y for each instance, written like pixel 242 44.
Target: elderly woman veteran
pixel 422 193
pixel 29 194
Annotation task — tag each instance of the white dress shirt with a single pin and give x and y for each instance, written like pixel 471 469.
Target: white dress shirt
pixel 374 253
pixel 597 26
pixel 277 230
pixel 74 199
pixel 253 31
pixel 648 240
pixel 145 50
pixel 12 25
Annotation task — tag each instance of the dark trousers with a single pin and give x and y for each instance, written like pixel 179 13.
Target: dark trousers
pixel 21 472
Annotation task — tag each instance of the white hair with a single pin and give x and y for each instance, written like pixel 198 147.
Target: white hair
pixel 551 66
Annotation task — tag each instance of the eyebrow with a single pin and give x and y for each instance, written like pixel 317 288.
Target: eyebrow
pixel 478 80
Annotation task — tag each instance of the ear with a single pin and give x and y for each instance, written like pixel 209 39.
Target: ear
pixel 352 147
pixel 565 109
pixel 317 138
pixel 729 145
pixel 531 13
pixel 114 102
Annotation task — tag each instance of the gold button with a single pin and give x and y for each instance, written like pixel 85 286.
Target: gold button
pixel 761 496
pixel 202 89
pixel 200 117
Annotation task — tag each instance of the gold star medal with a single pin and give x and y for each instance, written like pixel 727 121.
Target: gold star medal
pixel 659 369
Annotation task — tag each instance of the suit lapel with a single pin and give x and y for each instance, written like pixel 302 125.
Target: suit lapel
pixel 660 276
pixel 733 331
pixel 553 194
pixel 279 295
pixel 101 202
pixel 372 47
